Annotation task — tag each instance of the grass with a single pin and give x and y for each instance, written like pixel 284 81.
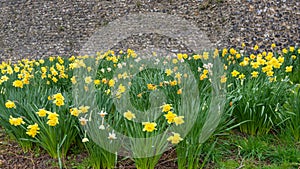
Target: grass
pixel 269 151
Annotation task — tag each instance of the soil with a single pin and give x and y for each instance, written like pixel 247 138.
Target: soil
pixel 12 156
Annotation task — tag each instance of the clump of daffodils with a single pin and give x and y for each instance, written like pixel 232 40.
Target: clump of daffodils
pixel 170 116
pixel 52 119
pixel 16 121
pixel 58 99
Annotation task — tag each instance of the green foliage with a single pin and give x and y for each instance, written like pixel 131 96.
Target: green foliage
pixel 258 105
pixel 99 158
pixel 252 147
pixel 57 139
pixel 292 106
pixel 234 150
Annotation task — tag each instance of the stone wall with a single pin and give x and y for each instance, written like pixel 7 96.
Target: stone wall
pixel 39 28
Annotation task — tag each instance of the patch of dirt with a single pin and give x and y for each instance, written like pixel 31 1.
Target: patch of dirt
pixel 12 156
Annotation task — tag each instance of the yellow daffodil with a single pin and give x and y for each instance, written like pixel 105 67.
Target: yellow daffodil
pixel 289 69
pixel 205 55
pixel 267 68
pixel 243 45
pixel 254 74
pixel 242 76
pixel 140 95
pixel 97 82
pixel 54 79
pixel 111 83
pixel 170 117
pixel 149 127
pixel 185 56
pixel 235 73
pixel 203 76
pixel 180 56
pixel 270 73
pixel 4 78
pixel 59 102
pixel 16 121
pixel 179 91
pixel 10 104
pixel 179 120
pixel 129 115
pixel 16 69
pixel 52 122
pixel 273 45
pixel 18 83
pixel 32 130
pixel 252 56
pixel 232 51
pixel 42 112
pixel 196 57
pixel 224 52
pixel 58 99
pixel 73 80
pixel 174 61
pixel 173 83
pixel 255 47
pixel 254 65
pixel 168 72
pixel 175 139
pixel 52 119
pixel 151 86
pixel 166 107
pixel 74 112
pixel 84 109
pixel 223 79
pixel 88 79
pixel 285 51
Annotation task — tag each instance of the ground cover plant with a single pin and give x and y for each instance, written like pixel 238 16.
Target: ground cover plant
pixel 254 120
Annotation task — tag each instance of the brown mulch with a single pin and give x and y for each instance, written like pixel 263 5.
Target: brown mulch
pixel 12 156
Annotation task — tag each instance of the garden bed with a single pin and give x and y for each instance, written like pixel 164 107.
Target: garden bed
pixel 218 109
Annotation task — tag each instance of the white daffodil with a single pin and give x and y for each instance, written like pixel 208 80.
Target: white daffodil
pixel 112 136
